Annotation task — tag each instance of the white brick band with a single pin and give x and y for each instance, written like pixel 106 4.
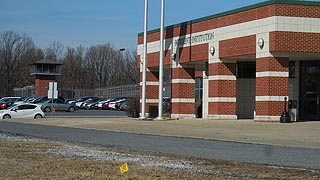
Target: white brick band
pixel 267 118
pixel 222 99
pixel 150 101
pixel 270 98
pixel 174 81
pixel 272 74
pixel 223 77
pixel 222 116
pixel 151 83
pixel 183 116
pixel 183 100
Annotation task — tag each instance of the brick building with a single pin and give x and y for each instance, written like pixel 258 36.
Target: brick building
pixel 240 64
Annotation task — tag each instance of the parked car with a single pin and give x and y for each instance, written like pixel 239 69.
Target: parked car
pixel 81 100
pixel 88 101
pixel 94 104
pixel 7 102
pixel 22 111
pixel 58 105
pixel 42 99
pixel 112 104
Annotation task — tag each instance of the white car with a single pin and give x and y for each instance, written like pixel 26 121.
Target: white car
pixel 22 111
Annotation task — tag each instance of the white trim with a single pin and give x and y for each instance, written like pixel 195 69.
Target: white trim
pixel 270 98
pixel 183 100
pixel 150 101
pixel 266 118
pixel 183 116
pixel 210 116
pixel 151 83
pixel 222 99
pixel 189 81
pixel 272 74
pixel 223 77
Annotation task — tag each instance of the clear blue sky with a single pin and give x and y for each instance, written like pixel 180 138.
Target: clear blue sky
pixel 91 22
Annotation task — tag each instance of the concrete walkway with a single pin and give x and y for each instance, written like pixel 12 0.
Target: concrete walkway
pixel 302 134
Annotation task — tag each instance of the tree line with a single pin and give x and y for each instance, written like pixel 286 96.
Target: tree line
pixel 98 66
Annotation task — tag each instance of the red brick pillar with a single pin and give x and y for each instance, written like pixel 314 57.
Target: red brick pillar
pixel 152 90
pixel 271 87
pixel 222 91
pixel 183 92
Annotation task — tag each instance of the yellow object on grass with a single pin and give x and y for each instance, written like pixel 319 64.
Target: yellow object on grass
pixel 124 168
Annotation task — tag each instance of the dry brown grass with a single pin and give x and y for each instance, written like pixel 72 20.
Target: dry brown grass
pixel 27 160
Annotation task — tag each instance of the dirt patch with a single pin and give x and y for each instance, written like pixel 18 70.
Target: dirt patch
pixel 31 158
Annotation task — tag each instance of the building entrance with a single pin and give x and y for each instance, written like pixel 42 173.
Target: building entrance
pixel 310 91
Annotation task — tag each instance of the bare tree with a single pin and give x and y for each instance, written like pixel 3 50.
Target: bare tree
pixel 55 51
pixel 12 49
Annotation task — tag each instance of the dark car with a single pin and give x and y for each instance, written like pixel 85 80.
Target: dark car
pixel 7 102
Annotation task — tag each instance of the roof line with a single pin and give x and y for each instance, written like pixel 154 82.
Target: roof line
pixel 245 8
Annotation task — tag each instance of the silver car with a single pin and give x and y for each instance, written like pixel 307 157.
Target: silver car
pixel 58 105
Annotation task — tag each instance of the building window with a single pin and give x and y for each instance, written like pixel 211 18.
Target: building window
pixel 198 89
pixel 291 69
pixel 246 70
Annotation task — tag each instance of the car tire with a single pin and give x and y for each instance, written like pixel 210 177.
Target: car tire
pixel 38 116
pixel 47 109
pixel 7 116
pixel 71 109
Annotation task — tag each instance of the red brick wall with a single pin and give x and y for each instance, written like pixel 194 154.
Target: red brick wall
pixel 154 58
pixel 182 73
pixel 193 53
pixel 222 108
pixel 222 88
pixel 269 108
pixel 281 41
pixel 152 92
pixel 272 64
pixel 245 16
pixel 183 90
pixel 271 86
pixel 222 69
pixel 42 86
pixel 182 108
pixel 237 46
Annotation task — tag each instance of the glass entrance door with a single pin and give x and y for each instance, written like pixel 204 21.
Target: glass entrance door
pixel 311 99
pixel 310 91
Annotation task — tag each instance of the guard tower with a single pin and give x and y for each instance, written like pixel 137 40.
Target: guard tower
pixel 45 71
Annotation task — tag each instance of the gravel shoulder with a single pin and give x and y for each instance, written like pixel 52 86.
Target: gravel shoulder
pixel 23 157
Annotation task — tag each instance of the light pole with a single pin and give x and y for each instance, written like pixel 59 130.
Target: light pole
pixel 161 63
pixel 121 51
pixel 144 62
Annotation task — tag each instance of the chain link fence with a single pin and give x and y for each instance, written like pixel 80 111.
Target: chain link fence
pixel 111 92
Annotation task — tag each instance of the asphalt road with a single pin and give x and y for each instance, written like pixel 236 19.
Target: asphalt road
pixel 308 158
pixel 88 113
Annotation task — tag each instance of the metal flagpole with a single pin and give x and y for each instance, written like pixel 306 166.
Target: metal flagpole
pixel 160 105
pixel 144 61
